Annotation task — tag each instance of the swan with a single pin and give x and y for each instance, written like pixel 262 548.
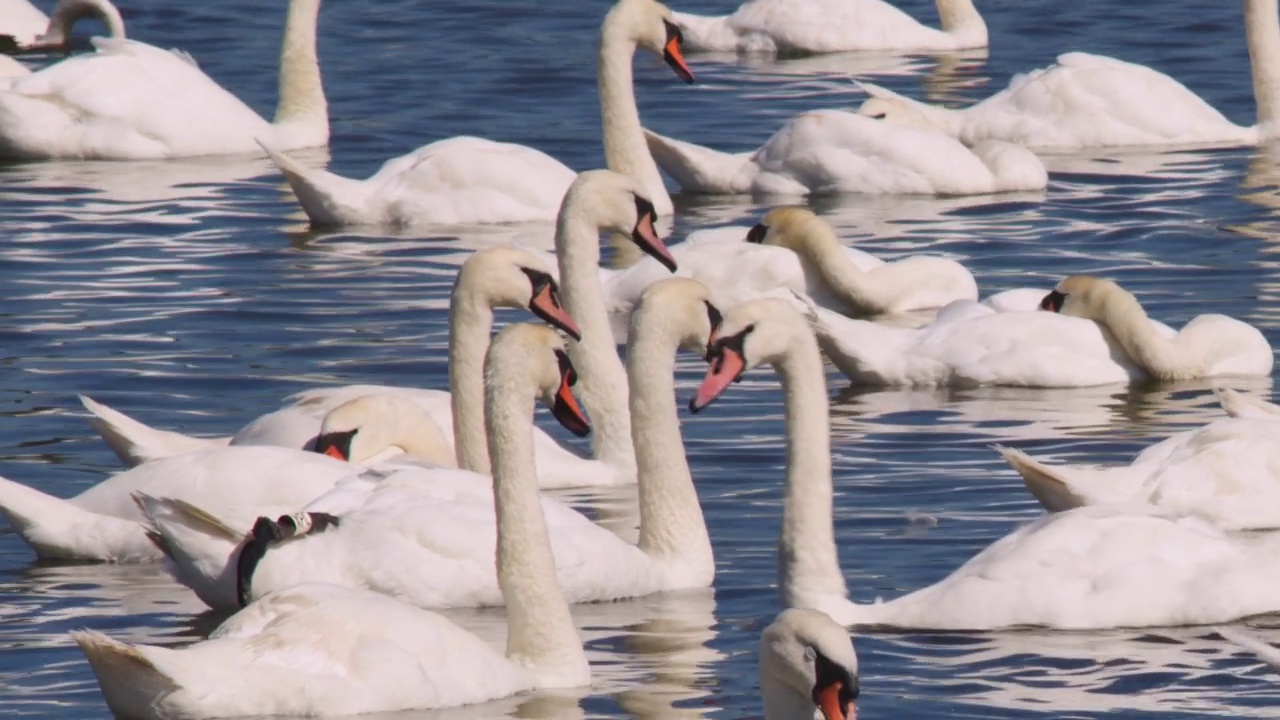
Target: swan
pixel 1254 644
pixel 1101 336
pixel 427 541
pixel 133 101
pixel 1092 567
pixel 56 31
pixel 807 666
pixel 474 180
pixel 1087 101
pixel 21 20
pixel 823 26
pixel 317 649
pixel 833 151
pixel 1227 472
pixel 1238 405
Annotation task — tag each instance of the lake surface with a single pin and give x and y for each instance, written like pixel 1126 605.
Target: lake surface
pixel 193 296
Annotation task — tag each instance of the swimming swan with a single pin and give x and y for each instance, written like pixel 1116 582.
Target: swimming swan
pixel 1093 567
pixel 823 26
pixel 807 665
pixel 317 649
pixel 133 101
pixel 474 180
pixel 1086 101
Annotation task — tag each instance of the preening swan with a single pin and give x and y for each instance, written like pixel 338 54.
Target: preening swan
pixel 133 101
pixel 473 180
pixel 832 151
pixel 1227 472
pixel 1088 100
pixel 970 345
pixel 807 665
pixel 21 20
pixel 317 649
pixel 57 32
pixel 427 537
pixel 1092 567
pixel 818 26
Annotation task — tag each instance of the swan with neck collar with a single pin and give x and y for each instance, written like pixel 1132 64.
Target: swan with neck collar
pixel 1093 567
pixel 829 151
pixel 1086 101
pixel 425 537
pixel 57 32
pixel 1103 336
pixel 823 26
pixel 807 665
pixel 474 180
pixel 133 101
pixel 317 649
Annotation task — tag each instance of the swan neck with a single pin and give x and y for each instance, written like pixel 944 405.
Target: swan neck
pixel 541 635
pixel 302 102
pixel 625 149
pixel 68 12
pixel 783 702
pixel 808 566
pixel 1262 35
pixel 470 321
pixel 961 18
pixel 822 254
pixel 602 382
pixel 1128 323
pixel 671 524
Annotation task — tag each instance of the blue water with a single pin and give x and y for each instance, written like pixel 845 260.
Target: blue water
pixel 192 295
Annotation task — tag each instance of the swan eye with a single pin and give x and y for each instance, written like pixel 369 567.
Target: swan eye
pixel 713 314
pixel 539 280
pixel 567 370
pixel 1053 301
pixel 644 209
pixel 673 31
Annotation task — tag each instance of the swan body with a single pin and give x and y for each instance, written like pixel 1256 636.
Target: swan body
pixel 465 180
pixel 807 666
pixel 822 26
pixel 973 345
pixel 427 537
pixel 1227 472
pixel 1086 101
pixel 833 151
pixel 132 101
pixel 1238 405
pixel 1092 567
pixel 316 649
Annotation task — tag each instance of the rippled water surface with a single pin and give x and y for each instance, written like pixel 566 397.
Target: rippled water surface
pixel 192 295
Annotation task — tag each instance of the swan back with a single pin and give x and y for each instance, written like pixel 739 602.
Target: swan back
pixel 369 428
pixel 807 656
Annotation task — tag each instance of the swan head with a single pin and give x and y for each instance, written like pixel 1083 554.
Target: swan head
pixel 64 16
pixel 615 203
pixel 650 25
pixel 514 278
pixel 790 226
pixel 377 426
pixel 536 355
pixel 1084 296
pixel 764 330
pixel 681 307
pixel 809 658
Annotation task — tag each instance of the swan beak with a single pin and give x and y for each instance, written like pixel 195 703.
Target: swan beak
pixel 565 407
pixel 646 236
pixel 829 703
pixel 546 305
pixel 336 444
pixel 727 365
pixel 674 55
pixel 333 452
pixel 1053 301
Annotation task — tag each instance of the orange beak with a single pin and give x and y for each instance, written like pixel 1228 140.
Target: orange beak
pixel 673 53
pixel 725 368
pixel 333 452
pixel 546 305
pixel 829 703
pixel 646 236
pixel 566 409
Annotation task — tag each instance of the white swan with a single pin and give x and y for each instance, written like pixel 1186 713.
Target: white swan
pixel 1101 336
pixel 831 151
pixel 1092 567
pixel 21 20
pixel 1239 405
pixel 1254 644
pixel 474 180
pixel 427 539
pixel 57 29
pixel 1086 101
pixel 317 649
pixel 823 26
pixel 807 666
pixel 133 101
pixel 1227 472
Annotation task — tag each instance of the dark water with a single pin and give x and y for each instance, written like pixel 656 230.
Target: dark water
pixel 191 295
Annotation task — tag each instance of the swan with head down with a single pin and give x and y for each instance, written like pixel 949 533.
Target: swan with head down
pixel 807 666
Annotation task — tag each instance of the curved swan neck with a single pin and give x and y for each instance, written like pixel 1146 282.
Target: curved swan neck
pixel 672 527
pixel 541 634
pixel 1122 315
pixel 470 320
pixel 68 12
pixel 821 253
pixel 602 382
pixel 625 149
pixel 808 566
pixel 961 18
pixel 302 102
pixel 1262 35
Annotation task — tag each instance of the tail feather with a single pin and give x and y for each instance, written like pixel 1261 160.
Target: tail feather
pixel 1047 484
pixel 135 442
pixel 131 683
pixel 200 549
pixel 59 529
pixel 1239 405
pixel 696 168
pixel 326 198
